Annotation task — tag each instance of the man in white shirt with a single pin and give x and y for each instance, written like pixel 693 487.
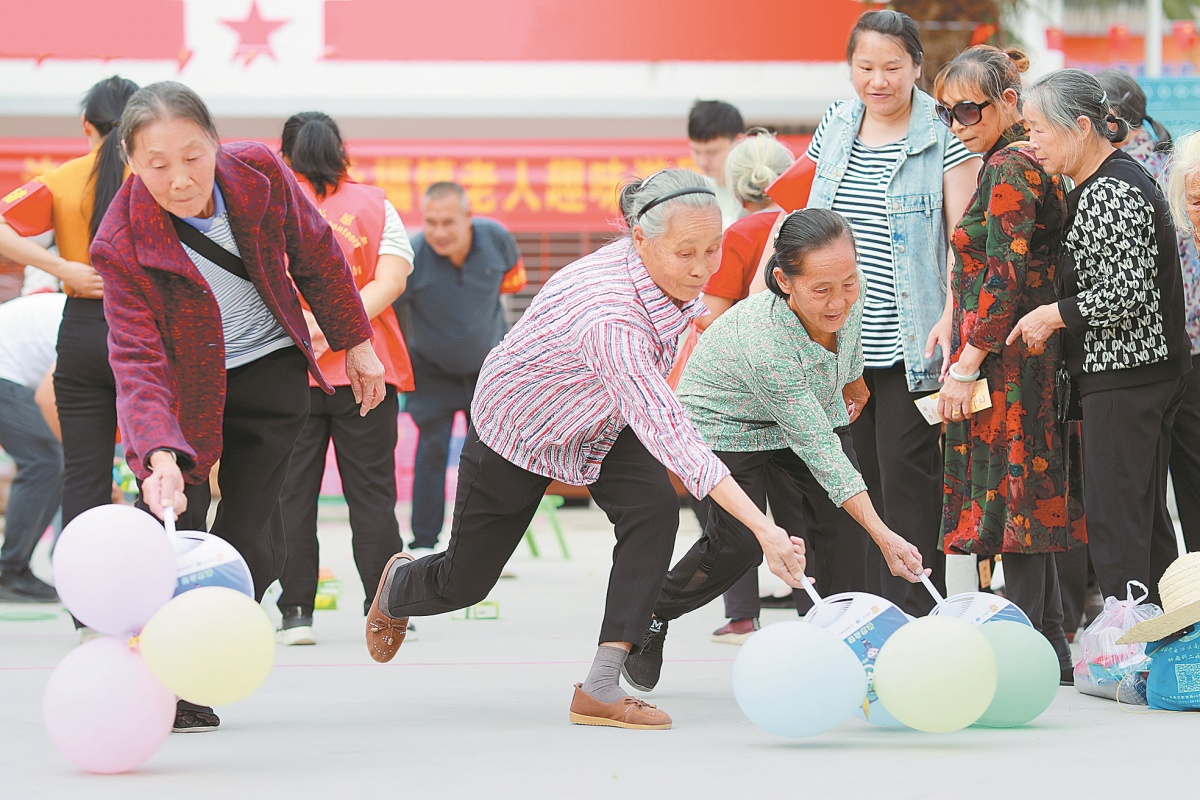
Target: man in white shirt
pixel 28 338
pixel 714 127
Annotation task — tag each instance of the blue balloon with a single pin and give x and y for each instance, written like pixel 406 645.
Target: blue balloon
pixel 796 679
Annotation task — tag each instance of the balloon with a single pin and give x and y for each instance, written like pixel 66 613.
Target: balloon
pixel 796 679
pixel 211 646
pixel 202 559
pixel 104 709
pixel 113 568
pixel 980 607
pixel 864 622
pixel 1027 674
pixel 936 674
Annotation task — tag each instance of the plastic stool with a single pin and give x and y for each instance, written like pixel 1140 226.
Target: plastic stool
pixel 548 510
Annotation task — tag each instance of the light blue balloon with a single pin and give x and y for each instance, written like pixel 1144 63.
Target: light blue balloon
pixel 796 679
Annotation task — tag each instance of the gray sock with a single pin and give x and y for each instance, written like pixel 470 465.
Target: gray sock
pixel 604 681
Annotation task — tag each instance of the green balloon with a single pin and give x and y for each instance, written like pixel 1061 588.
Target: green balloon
pixel 936 674
pixel 1027 674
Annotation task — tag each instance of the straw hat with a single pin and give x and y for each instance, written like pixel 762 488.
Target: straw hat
pixel 1180 592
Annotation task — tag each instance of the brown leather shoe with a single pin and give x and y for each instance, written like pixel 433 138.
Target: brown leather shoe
pixel 385 634
pixel 628 712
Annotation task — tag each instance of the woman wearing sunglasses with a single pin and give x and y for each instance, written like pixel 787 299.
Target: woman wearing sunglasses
pixel 1009 486
pixel 902 180
pixel 1123 312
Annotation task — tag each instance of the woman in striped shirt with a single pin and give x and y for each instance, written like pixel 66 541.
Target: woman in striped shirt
pixel 577 392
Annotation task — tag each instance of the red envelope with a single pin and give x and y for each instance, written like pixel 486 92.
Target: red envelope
pixel 790 190
pixel 28 209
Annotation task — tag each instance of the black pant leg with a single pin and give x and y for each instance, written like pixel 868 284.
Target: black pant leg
pixel 1185 459
pixel 366 456
pixel 840 543
pixel 432 407
pixel 634 491
pixel 86 396
pixel 266 408
pixel 298 504
pixel 495 503
pixel 724 551
pixel 786 502
pixel 1072 573
pixel 864 431
pixel 1124 453
pixel 910 470
pixel 1031 583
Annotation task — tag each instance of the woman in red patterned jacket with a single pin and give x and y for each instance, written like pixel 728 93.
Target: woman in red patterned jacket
pixel 207 338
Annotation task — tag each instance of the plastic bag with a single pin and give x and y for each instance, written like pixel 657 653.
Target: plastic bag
pixel 1108 669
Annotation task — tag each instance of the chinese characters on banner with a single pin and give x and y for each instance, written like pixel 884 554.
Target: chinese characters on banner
pixel 528 186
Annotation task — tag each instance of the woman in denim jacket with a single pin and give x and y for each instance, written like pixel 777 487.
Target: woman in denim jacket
pixel 901 178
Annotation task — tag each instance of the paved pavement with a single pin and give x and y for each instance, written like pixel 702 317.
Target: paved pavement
pixel 478 708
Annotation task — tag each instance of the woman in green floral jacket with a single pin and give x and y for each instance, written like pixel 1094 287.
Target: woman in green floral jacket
pixel 1012 483
pixel 769 389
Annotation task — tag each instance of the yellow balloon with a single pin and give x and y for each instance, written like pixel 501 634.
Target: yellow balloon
pixel 936 674
pixel 211 646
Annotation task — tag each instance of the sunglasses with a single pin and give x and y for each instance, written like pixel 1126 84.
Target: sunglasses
pixel 967 113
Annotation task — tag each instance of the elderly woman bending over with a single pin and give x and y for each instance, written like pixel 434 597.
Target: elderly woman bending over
pixel 577 392
pixel 764 387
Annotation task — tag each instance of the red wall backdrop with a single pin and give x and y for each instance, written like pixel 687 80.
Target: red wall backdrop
pixel 590 30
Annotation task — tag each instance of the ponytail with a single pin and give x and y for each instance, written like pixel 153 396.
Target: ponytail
pixel 102 108
pixel 312 144
pixel 769 276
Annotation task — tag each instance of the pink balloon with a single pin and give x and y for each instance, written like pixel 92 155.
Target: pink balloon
pixel 104 709
pixel 113 568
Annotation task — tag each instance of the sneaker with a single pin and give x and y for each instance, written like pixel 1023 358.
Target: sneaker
pixel 191 718
pixel 20 585
pixel 296 627
pixel 642 669
pixel 736 631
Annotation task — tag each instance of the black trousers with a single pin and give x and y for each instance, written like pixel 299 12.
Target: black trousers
pixel 495 503
pixel 86 396
pixel 432 405
pixel 1185 459
pixel 727 549
pixel 266 407
pixel 1126 447
pixel 366 456
pixel 901 457
pixel 786 502
pixel 1031 583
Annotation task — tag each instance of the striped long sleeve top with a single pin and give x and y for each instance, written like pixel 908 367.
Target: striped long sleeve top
pixel 590 356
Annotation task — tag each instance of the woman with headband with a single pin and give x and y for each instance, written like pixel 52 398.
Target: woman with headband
pixel 577 392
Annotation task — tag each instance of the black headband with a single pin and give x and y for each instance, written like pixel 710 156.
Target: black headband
pixel 672 196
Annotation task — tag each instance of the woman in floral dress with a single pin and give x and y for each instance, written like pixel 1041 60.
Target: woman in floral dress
pixel 1011 486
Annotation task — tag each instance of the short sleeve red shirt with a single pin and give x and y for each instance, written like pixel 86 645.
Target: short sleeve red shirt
pixel 741 250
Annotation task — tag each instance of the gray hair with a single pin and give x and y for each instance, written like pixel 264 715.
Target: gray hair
pixel 1065 95
pixel 161 101
pixel 638 194
pixel 443 189
pixel 1184 166
pixel 754 163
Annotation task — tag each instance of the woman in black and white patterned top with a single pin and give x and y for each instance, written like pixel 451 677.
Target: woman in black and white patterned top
pixel 1122 308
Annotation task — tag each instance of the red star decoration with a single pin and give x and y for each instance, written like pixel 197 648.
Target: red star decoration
pixel 254 34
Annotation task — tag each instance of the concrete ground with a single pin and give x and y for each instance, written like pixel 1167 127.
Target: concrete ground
pixel 478 709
